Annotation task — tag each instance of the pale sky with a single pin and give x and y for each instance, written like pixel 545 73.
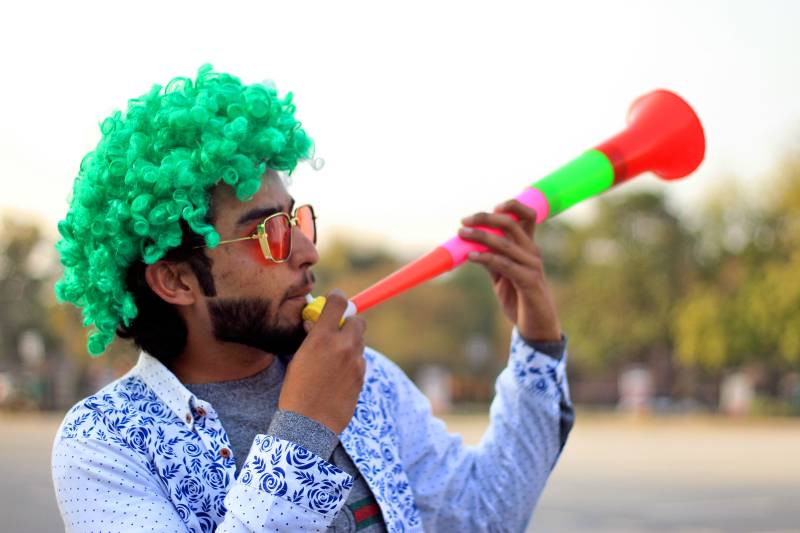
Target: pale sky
pixel 423 111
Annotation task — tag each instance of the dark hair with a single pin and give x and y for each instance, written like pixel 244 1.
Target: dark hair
pixel 158 328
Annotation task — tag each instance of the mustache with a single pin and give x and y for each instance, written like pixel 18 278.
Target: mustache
pixel 308 279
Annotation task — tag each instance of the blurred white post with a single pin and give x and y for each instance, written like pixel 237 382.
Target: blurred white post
pixel 635 390
pixel 736 394
pixel 434 382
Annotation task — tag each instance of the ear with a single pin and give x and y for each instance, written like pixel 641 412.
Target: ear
pixel 174 283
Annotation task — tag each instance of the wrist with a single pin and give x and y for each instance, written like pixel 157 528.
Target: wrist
pixel 314 414
pixel 306 432
pixel 536 335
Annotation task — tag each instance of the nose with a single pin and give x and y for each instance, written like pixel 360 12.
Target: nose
pixel 304 252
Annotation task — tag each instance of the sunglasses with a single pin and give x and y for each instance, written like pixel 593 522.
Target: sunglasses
pixel 274 233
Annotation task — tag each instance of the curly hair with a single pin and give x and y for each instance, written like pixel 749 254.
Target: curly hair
pixel 158 328
pixel 152 173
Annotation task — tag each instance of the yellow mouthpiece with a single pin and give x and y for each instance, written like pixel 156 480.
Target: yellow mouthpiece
pixel 313 310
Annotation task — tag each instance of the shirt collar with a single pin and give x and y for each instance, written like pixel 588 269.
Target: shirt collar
pixel 167 387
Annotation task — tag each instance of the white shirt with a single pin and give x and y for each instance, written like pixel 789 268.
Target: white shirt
pixel 145 454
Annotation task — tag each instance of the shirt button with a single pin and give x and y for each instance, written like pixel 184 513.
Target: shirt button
pixel 225 453
pixel 200 411
pixel 188 418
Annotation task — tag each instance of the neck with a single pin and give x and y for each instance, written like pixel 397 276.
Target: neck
pixel 212 361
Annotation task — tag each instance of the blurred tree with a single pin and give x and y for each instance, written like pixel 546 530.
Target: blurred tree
pixel 25 266
pixel 746 307
pixel 631 265
pixel 634 284
pixel 28 310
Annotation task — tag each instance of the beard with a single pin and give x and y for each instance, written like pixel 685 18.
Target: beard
pixel 252 322
pixel 255 322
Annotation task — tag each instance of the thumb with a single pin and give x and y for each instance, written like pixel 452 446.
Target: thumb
pixel 308 325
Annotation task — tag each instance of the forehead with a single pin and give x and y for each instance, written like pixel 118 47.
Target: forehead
pixel 228 208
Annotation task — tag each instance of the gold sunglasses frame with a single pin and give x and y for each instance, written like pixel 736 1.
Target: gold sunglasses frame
pixel 261 233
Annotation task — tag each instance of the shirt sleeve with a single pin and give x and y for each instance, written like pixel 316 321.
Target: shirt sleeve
pixel 106 485
pixel 496 484
pixel 284 487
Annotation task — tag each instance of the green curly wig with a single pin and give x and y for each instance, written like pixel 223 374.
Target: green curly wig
pixel 154 166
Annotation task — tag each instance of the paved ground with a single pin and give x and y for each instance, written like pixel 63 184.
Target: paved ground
pixel 616 475
pixel 678 475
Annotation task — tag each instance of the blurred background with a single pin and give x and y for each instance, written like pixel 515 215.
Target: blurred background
pixel 681 300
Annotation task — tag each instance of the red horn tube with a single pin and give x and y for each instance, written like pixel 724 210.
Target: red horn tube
pixel 663 135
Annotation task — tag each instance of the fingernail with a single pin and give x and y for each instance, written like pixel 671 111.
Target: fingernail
pixel 467 230
pixel 473 255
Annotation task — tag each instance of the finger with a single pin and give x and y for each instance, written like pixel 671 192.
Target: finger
pixel 353 330
pixel 355 325
pixel 503 222
pixel 500 245
pixel 526 214
pixel 308 325
pixel 335 304
pixel 500 265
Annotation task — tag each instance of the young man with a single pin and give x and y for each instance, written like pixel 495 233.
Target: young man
pixel 239 416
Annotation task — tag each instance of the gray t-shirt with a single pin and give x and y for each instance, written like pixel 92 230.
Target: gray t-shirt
pixel 248 407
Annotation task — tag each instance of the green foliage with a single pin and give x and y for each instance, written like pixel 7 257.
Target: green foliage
pixel 747 309
pixel 628 268
pixel 634 283
pixel 23 279
pixel 718 292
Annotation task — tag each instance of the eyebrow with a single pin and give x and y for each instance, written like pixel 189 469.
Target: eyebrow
pixel 260 213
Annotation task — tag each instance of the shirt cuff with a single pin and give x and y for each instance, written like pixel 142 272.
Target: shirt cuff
pixel 554 349
pixel 308 433
pixel 538 371
pixel 276 468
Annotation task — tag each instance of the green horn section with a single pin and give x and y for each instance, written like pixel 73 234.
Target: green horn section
pixel 588 175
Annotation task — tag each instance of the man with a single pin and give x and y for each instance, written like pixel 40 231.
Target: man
pixel 238 416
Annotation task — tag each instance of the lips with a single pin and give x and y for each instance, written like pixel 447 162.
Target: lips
pixel 300 293
pixel 299 296
pixel 305 286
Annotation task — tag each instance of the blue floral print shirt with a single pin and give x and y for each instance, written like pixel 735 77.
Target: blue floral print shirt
pixel 145 454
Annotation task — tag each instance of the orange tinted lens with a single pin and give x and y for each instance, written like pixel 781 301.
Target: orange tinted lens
pixel 306 223
pixel 279 237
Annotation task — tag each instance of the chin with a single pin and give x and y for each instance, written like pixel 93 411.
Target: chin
pixel 250 322
pixel 290 318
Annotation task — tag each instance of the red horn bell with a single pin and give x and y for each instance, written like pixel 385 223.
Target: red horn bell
pixel 663 136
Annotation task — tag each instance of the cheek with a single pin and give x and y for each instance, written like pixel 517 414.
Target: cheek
pixel 254 254
pixel 251 274
pixel 232 270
